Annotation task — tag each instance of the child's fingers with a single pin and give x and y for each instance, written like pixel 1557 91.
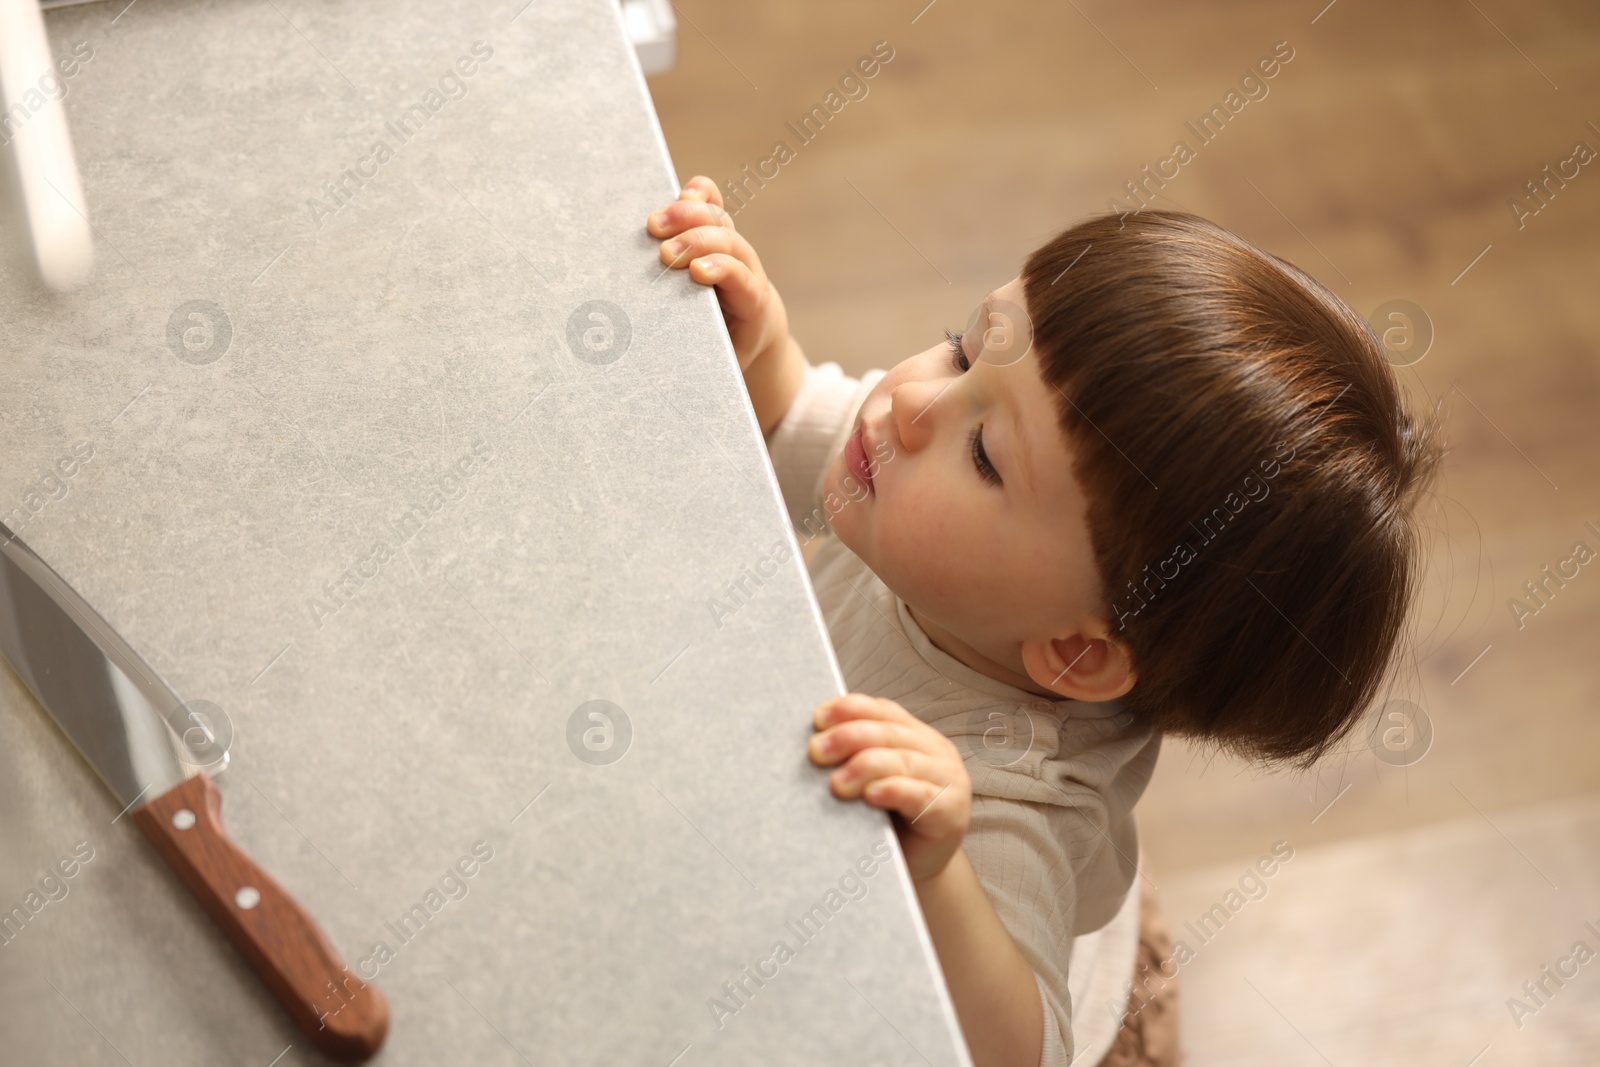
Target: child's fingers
pixel 873 764
pixel 703 241
pixel 843 740
pixel 684 215
pixel 738 292
pixel 926 806
pixel 701 188
pixel 860 706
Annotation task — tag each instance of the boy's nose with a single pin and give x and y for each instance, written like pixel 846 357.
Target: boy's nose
pixel 914 409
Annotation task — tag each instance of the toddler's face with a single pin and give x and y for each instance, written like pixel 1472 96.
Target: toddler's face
pixel 972 514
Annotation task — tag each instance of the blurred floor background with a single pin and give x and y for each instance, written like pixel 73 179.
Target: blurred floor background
pixel 1428 884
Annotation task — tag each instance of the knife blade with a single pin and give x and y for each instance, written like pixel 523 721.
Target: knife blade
pixel 120 714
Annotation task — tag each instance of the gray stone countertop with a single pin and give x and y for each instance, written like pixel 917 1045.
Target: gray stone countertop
pixel 401 469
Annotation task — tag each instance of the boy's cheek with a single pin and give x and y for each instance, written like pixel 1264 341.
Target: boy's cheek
pixel 882 453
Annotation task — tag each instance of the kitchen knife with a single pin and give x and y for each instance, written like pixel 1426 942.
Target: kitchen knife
pixel 120 714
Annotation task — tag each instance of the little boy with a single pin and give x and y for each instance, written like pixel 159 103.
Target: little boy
pixel 1053 542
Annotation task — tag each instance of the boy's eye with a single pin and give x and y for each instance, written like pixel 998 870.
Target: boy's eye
pixel 980 458
pixel 958 357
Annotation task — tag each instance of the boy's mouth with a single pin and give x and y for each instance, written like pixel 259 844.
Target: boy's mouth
pixel 855 457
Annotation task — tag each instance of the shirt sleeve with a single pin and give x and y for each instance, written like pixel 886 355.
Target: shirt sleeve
pixel 812 432
pixel 1101 980
pixel 1056 1049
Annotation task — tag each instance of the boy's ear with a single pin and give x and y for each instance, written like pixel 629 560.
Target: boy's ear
pixel 1091 666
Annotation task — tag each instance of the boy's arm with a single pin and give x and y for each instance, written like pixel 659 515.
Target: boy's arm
pixel 773 381
pixel 995 993
pixel 699 237
pixel 893 760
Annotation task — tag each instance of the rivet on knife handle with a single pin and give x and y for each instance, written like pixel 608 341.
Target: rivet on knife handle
pixel 344 1016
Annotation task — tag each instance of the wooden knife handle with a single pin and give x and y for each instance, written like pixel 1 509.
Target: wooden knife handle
pixel 344 1016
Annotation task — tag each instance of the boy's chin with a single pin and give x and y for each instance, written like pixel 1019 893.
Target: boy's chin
pixel 845 531
pixel 846 520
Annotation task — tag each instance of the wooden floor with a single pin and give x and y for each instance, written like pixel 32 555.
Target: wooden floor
pixel 1384 160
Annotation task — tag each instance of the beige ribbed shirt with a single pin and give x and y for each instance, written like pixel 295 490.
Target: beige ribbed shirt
pixel 1052 835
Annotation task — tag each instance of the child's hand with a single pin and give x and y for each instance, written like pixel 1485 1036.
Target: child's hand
pixel 715 254
pixel 895 761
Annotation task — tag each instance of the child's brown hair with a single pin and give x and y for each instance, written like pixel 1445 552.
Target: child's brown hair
pixel 1250 469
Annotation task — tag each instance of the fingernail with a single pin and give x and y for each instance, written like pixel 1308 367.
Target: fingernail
pixel 673 247
pixel 659 219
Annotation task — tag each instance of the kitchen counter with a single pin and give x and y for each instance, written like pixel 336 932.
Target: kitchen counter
pixel 381 429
